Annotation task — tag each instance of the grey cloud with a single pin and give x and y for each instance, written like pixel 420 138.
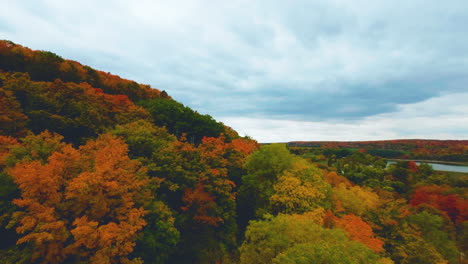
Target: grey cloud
pixel 438 118
pixel 301 60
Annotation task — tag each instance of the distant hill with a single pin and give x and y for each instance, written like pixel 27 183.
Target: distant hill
pixel 444 150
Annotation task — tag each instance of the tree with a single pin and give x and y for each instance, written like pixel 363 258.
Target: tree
pixel 47 66
pixel 432 227
pixel 387 217
pixel 359 230
pixel 453 205
pixel 425 170
pixel 406 246
pixel 356 200
pixel 152 146
pixel 12 119
pixel 144 139
pixel 202 203
pixel 299 189
pixel 159 237
pixel 237 153
pixel 82 204
pixel 179 119
pixel 293 239
pixel 400 173
pixel 334 179
pixel 31 148
pixel 413 167
pixel 263 170
pixel 208 210
pixel 44 66
pixel 328 252
pixel 35 147
pixel 6 144
pixel 76 111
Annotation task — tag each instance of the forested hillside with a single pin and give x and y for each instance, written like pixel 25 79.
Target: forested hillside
pixel 98 169
pixel 441 150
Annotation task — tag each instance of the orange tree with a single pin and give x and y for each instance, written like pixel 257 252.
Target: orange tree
pixel 81 204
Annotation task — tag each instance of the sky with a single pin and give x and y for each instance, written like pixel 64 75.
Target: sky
pixel 276 71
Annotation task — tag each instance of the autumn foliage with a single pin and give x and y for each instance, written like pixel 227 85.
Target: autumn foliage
pixel 98 169
pixel 334 179
pixel 47 66
pixel 202 202
pixel 359 230
pixel 453 205
pixel 83 203
pixel 214 189
pixel 450 150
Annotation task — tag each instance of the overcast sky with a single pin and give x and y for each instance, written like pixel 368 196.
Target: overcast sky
pixel 275 70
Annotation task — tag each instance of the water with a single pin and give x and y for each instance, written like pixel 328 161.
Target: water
pixel 443 167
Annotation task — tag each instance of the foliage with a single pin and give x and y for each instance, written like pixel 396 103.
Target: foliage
pixel 47 66
pixel 334 179
pixel 299 189
pixel 295 239
pixel 144 139
pixel 453 205
pixel 96 217
pixel 264 167
pixel 76 111
pixel 12 119
pixel 448 150
pixel 432 227
pixel 359 230
pixel 179 119
pixel 169 185
pixel 407 247
pixel 159 237
pixel 35 147
pixel 356 200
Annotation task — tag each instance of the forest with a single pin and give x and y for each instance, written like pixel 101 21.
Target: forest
pixel 98 169
pixel 416 149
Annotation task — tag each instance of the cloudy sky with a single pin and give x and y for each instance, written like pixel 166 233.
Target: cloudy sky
pixel 275 70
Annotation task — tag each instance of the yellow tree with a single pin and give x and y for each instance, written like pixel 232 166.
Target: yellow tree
pixel 299 189
pixel 355 200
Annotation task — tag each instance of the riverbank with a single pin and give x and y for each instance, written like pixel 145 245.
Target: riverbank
pixel 434 161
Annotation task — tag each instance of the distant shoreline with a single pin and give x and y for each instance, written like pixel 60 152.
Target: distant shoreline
pixel 433 161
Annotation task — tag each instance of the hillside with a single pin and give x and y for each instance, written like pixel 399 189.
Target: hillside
pixel 79 102
pixel 159 154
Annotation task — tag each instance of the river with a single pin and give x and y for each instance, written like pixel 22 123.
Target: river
pixel 443 167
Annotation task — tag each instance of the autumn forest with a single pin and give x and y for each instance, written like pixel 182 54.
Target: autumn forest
pixel 98 169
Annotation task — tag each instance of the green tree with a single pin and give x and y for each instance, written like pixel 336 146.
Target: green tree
pixel 179 119
pixel 296 239
pixel 12 120
pixel 35 147
pixel 150 144
pixel 264 168
pixel 406 246
pixel 432 227
pixel 159 237
pixel 145 140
